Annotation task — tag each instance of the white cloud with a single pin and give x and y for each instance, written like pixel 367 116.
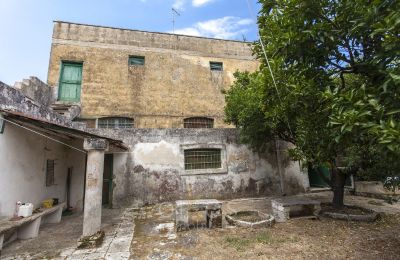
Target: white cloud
pixel 228 27
pixel 198 3
pixel 179 4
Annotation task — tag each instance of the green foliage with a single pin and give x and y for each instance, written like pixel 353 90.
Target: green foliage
pixel 374 164
pixel 336 65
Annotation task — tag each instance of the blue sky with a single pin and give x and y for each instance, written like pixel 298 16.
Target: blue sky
pixel 26 25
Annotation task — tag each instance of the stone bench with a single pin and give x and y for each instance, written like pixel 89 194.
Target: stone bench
pixel 284 208
pixel 26 228
pixel 212 207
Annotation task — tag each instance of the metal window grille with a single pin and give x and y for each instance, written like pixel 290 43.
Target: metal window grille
pixel 50 172
pixel 115 122
pixel 198 122
pixel 136 60
pixel 217 66
pixel 202 159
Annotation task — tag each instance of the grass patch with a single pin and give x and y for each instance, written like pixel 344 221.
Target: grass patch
pixel 238 243
pixel 264 237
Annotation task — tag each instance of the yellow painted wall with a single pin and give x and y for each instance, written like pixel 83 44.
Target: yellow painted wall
pixel 175 82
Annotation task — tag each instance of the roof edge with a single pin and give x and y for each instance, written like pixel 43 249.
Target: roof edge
pixel 165 33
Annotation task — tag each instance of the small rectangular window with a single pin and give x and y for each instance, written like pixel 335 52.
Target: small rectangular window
pixel 136 60
pixel 202 159
pixel 115 122
pixel 198 122
pixel 50 172
pixel 217 66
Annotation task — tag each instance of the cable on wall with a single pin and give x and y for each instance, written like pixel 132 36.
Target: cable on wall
pixel 43 135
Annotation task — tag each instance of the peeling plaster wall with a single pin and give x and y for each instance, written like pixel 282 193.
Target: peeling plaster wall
pixel 174 83
pixel 12 99
pixel 154 169
pixel 23 166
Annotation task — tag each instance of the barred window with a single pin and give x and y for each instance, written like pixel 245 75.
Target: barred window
pixel 50 172
pixel 198 122
pixel 202 159
pixel 115 122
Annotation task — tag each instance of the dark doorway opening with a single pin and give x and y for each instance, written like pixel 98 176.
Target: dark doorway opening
pixel 107 180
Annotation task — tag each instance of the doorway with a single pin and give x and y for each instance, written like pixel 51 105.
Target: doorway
pixel 107 180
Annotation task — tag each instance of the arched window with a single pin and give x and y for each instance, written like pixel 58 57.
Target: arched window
pixel 115 122
pixel 198 122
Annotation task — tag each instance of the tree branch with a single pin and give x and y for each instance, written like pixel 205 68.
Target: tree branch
pixel 352 61
pixel 342 79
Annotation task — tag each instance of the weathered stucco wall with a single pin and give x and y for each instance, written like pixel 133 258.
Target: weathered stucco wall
pixel 175 82
pixel 23 166
pixel 154 168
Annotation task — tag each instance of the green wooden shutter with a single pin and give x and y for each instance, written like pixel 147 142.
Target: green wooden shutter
pixel 136 60
pixel 218 66
pixel 70 82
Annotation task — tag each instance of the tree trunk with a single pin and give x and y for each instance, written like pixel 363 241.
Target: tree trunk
pixel 338 181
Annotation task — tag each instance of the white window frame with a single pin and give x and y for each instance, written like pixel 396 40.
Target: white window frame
pixel 222 170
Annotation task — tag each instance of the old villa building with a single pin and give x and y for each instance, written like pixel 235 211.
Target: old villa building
pixel 130 117
pixel 158 92
pixel 130 78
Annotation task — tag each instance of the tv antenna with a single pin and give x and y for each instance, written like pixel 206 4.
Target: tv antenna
pixel 174 14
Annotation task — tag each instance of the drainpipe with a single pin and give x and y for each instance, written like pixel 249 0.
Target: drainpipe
pixel 278 160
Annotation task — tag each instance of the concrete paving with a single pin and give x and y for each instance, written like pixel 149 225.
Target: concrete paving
pixel 58 241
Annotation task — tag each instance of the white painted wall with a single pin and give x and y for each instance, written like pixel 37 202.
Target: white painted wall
pixel 77 161
pixel 23 156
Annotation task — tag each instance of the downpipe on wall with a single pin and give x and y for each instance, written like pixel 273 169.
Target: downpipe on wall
pixel 278 161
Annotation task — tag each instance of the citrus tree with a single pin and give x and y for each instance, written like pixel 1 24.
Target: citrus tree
pixel 335 93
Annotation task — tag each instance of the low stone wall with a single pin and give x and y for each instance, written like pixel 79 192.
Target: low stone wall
pixel 372 189
pixel 154 169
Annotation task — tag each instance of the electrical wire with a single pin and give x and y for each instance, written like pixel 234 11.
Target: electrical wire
pixel 252 14
pixel 43 135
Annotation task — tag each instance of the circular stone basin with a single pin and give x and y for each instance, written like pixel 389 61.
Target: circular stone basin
pixel 250 219
pixel 352 213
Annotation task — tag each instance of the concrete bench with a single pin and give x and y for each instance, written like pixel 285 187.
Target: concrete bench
pixel 285 208
pixel 212 208
pixel 26 228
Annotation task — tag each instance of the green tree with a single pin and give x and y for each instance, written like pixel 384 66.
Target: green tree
pixel 336 87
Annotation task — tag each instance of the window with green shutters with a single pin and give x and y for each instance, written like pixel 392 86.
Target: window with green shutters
pixel 136 60
pixel 70 81
pixel 216 66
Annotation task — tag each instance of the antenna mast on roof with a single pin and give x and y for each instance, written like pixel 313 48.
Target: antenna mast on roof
pixel 174 14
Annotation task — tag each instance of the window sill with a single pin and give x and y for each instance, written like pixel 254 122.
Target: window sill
pixel 205 172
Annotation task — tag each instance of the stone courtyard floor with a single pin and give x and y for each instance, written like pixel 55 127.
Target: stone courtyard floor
pixel 58 241
pixel 155 237
pixel 149 233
